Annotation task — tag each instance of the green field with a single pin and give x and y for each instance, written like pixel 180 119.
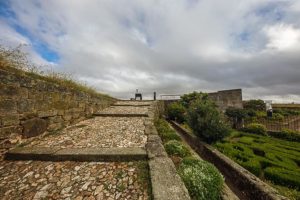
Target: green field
pixel 273 160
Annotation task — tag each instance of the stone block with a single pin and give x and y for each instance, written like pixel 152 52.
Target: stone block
pixel 10 120
pixel 67 117
pixel 55 127
pixel 8 106
pixel 34 127
pixel 48 113
pixel 9 91
pixel 42 105
pixel 55 119
pixel 25 105
pixel 36 95
pixel 5 132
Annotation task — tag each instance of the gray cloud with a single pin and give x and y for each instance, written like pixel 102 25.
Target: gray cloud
pixel 118 46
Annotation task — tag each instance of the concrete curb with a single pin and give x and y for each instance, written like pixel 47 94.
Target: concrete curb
pixel 166 183
pixel 119 115
pixel 131 105
pixel 251 186
pixel 77 154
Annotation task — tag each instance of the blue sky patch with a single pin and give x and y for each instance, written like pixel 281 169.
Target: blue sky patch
pixel 38 45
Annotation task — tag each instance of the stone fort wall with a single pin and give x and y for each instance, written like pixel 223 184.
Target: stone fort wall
pixel 227 98
pixel 30 105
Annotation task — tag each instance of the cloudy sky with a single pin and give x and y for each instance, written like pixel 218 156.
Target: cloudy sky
pixel 172 47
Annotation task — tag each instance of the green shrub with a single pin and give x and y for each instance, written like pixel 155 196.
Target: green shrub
pixel 253 166
pixel 206 121
pixel 176 148
pixel 167 136
pixel 188 99
pixel 165 132
pixel 238 113
pixel 283 177
pixel 256 128
pixel 175 111
pixel 201 178
pixel 287 135
pixel 277 116
pixel 257 105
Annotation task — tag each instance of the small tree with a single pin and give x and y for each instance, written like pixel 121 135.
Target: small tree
pixel 255 104
pixel 206 121
pixel 187 99
pixel 237 115
pixel 176 111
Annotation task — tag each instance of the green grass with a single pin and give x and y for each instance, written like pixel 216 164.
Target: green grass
pixel 271 159
pixel 144 176
pixel 15 61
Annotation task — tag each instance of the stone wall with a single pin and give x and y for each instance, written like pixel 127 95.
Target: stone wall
pixel 30 105
pixel 227 98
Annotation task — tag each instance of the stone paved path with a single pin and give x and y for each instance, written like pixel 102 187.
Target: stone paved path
pixel 125 109
pixel 98 132
pixel 70 180
pixel 83 180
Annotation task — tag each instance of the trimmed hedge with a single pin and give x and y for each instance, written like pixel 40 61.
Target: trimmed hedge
pixel 287 134
pixel 176 148
pixel 256 129
pixel 266 157
pixel 201 178
pixel 283 177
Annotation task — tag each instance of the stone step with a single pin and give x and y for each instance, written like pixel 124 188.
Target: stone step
pixel 132 105
pixel 119 115
pixel 77 154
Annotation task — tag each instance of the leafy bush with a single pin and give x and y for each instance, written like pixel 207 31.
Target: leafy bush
pixel 257 105
pixel 287 134
pixel 175 111
pixel 206 121
pixel 253 166
pixel 283 177
pixel 201 178
pixel 176 148
pixel 286 112
pixel 235 113
pixel 256 128
pixel 277 116
pixel 165 132
pixel 187 99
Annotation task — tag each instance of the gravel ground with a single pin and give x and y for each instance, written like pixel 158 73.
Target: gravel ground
pixel 133 102
pixel 71 180
pixel 98 132
pixel 125 110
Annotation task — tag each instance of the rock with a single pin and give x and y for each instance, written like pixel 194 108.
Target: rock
pixel 34 127
pixel 66 190
pixel 86 185
pixel 40 195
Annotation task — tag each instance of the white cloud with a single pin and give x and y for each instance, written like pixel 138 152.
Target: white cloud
pixel 118 46
pixel 283 37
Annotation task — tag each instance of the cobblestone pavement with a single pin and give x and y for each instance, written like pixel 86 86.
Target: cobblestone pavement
pixel 72 180
pixel 125 110
pixel 98 132
pixel 133 102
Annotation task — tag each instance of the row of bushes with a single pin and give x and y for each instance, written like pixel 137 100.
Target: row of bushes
pixel 201 178
pixel 202 116
pixel 260 129
pixel 268 158
pixel 287 134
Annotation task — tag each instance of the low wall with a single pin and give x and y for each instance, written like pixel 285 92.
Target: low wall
pixel 247 184
pixel 30 105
